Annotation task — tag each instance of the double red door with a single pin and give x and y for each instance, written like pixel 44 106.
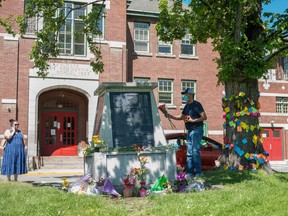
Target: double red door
pixel 59 134
pixel 273 143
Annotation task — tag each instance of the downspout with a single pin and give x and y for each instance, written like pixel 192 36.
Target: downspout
pixel 17 77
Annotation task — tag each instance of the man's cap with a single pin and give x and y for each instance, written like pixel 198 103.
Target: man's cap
pixel 188 91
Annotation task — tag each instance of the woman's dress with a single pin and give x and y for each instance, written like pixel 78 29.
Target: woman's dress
pixel 14 158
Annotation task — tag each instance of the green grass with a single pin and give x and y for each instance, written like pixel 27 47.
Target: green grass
pixel 242 193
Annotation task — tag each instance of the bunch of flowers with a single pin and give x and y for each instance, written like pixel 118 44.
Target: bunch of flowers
pixel 181 182
pixel 129 180
pixel 65 184
pixel 142 171
pixel 95 143
pixel 164 110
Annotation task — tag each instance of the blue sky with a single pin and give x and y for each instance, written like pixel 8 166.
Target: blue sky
pixel 276 6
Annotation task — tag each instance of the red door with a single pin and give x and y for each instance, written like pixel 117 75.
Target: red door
pixel 273 143
pixel 59 134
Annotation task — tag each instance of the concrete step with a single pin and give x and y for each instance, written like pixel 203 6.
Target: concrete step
pixel 58 162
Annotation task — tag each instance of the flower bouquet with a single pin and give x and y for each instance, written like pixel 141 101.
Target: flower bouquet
pixel 128 180
pixel 181 183
pixel 164 110
pixel 129 183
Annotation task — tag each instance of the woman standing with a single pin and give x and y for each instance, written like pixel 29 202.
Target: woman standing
pixel 14 159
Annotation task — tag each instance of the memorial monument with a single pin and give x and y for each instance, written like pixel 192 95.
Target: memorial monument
pixel 127 114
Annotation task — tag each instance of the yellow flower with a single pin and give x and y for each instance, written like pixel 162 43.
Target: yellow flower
pixel 66 183
pixel 144 160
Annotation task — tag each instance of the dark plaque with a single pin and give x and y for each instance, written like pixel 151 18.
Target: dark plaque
pixel 131 115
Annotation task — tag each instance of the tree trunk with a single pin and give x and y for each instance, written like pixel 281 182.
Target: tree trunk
pixel 242 138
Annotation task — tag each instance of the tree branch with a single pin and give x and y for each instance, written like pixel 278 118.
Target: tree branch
pixel 277 52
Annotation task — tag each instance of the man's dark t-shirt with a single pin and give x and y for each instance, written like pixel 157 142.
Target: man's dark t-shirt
pixel 193 110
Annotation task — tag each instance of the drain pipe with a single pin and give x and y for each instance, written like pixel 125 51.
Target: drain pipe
pixel 17 78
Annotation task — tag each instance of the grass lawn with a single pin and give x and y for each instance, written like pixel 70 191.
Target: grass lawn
pixel 242 193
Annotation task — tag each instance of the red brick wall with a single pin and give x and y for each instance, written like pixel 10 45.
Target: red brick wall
pixel 202 70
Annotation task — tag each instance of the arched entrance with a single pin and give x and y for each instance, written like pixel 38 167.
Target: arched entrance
pixel 62 122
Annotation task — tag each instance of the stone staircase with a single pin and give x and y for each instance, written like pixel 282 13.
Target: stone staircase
pixel 56 163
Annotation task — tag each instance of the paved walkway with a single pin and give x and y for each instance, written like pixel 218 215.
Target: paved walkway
pixel 43 176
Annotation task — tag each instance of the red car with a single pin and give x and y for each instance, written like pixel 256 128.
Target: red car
pixel 210 150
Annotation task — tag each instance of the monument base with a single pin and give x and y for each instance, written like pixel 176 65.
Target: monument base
pixel 115 165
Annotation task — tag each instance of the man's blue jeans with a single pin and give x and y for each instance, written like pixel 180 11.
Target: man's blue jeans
pixel 193 141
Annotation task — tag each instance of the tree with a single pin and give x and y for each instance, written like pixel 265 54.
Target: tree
pixel 54 15
pixel 247 46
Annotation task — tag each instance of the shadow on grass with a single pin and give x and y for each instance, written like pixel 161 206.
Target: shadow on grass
pixel 53 181
pixel 224 177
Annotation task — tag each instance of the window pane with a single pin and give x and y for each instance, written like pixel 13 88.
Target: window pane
pixel 141 37
pixel 141 46
pixel 281 105
pixel 265 133
pixel 276 133
pixel 79 49
pixel 186 49
pixel 165 90
pixel 71 37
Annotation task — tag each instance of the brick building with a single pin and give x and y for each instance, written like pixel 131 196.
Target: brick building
pixel 59 112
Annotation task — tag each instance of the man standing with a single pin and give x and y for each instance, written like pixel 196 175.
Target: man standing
pixel 193 115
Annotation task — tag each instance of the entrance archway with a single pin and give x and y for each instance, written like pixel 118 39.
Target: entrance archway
pixel 61 122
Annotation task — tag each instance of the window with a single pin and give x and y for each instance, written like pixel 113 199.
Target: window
pixel 33 25
pixel 285 68
pixel 187 84
pixel 100 11
pixel 141 37
pixel 72 40
pixel 281 104
pixel 164 48
pixel 165 91
pixel 285 65
pixel 186 47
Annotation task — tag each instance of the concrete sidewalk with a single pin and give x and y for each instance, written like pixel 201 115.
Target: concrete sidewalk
pixel 42 176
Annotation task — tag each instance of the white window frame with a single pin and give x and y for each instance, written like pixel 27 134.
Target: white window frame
pixel 281 104
pixel 186 41
pixel 165 87
pixel 188 84
pixel 165 45
pixel 140 37
pixel 72 48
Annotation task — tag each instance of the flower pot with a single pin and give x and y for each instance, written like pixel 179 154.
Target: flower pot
pixel 143 192
pixel 128 191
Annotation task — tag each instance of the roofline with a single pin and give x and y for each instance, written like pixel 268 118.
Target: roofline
pixel 142 13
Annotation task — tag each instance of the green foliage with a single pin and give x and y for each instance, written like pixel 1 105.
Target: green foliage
pixel 237 30
pixel 54 15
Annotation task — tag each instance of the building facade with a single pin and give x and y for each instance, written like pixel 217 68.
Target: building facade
pixel 58 112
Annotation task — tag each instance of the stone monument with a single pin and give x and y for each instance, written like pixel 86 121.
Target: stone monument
pixel 127 114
